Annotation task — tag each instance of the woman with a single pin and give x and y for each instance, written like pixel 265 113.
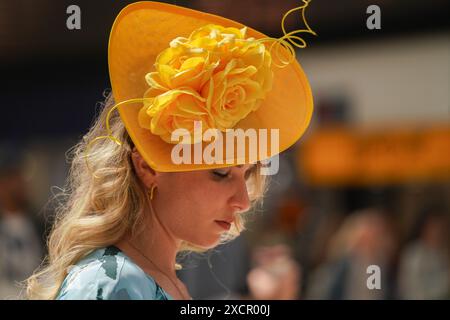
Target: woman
pixel 131 208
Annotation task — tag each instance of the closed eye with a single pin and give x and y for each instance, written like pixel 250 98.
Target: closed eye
pixel 221 174
pixel 225 174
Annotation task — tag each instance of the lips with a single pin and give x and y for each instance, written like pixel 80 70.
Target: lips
pixel 224 224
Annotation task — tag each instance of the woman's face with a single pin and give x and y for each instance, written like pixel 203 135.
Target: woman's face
pixel 198 206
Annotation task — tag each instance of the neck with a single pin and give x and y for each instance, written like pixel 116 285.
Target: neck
pixel 155 243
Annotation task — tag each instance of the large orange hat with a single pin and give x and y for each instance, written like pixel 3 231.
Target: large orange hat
pixel 172 67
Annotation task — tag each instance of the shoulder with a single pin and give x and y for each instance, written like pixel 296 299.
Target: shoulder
pixel 107 274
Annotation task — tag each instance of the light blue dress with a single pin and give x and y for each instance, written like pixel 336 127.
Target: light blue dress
pixel 108 274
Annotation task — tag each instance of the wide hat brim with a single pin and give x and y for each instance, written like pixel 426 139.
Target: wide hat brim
pixel 143 29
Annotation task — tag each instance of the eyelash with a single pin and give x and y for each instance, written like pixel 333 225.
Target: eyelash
pixel 221 175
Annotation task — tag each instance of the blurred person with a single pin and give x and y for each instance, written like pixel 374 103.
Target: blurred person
pixel 227 272
pixel 365 238
pixel 424 264
pixel 275 275
pixel 219 274
pixel 129 207
pixel 21 232
pixel 290 216
pixel 276 272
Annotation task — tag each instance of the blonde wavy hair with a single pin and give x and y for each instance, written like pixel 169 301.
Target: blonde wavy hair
pixel 97 212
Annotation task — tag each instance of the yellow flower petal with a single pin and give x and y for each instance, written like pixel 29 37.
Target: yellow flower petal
pixel 153 79
pixel 144 119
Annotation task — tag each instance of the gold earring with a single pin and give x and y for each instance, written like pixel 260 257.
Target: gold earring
pixel 151 191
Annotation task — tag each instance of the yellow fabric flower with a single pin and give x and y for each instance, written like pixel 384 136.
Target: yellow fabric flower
pixel 173 110
pixel 216 75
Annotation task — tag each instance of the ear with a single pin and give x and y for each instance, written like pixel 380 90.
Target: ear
pixel 144 172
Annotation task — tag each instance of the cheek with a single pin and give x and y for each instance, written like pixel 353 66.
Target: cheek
pixel 189 201
pixel 190 207
pixel 204 200
pixel 199 192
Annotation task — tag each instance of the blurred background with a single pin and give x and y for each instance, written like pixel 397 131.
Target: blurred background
pixel 368 184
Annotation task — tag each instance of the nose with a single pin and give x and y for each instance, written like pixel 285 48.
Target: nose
pixel 240 200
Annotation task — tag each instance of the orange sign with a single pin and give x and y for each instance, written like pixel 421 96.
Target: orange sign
pixel 349 156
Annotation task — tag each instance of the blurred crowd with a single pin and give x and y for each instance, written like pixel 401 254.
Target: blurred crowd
pixel 335 261
pixel 22 231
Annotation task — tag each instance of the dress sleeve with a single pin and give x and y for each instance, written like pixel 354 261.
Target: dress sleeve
pixel 109 278
pixel 134 284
